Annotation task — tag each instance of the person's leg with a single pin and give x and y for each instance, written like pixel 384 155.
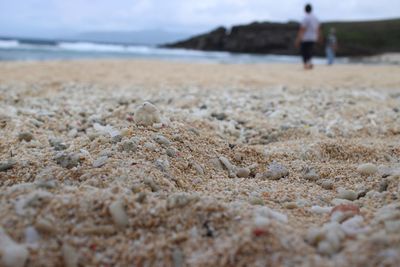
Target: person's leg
pixel 310 54
pixel 329 55
pixel 303 51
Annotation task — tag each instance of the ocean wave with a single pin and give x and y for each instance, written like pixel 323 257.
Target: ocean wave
pixel 8 43
pixel 91 47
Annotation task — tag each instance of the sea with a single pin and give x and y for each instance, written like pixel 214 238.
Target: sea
pixel 40 50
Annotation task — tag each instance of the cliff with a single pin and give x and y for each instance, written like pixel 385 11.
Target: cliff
pixel 355 38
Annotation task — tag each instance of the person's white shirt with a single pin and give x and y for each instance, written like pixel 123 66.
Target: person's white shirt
pixel 310 24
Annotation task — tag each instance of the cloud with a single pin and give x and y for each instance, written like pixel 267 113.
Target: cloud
pixel 180 15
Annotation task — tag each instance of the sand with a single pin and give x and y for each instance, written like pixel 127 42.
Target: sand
pixel 244 165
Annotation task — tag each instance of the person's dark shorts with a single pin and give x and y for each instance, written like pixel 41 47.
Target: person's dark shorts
pixel 307 51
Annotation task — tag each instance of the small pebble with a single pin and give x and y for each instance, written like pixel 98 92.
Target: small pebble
pixel 383 185
pixel 118 214
pixel 25 136
pixel 68 160
pixel 70 256
pixel 199 169
pixel 128 146
pixel 310 174
pixel 243 172
pixel 219 116
pixel 216 164
pixel 178 200
pixel 100 161
pixel 276 171
pixel 347 194
pixel 12 254
pixel 147 115
pixel 7 165
pixel 116 139
pixel 367 169
pixel 172 152
pixel 291 205
pixel 57 144
pixel 327 184
pixel 162 140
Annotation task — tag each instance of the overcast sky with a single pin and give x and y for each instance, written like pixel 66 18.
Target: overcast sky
pixel 63 17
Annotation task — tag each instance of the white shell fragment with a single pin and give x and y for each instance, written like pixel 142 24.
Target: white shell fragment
pixel 147 115
pixel 118 214
pixel 11 253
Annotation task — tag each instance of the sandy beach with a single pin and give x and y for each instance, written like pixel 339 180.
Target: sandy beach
pixel 156 163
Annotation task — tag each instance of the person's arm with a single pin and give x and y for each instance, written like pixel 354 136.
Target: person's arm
pixel 299 37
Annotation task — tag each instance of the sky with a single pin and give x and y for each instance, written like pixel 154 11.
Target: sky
pixel 46 18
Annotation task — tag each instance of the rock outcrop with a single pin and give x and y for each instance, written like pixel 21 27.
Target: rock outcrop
pixel 355 38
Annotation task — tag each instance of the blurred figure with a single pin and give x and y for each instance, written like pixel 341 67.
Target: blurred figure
pixel 307 36
pixel 331 46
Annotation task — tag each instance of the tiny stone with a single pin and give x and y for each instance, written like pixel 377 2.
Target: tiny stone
pixel 310 174
pixel 217 165
pixel 291 205
pixel 118 214
pixel 68 160
pixel 219 116
pixel 238 157
pixel 178 200
pixel 116 139
pixel 255 200
pixel 276 171
pixel 147 115
pixel 162 140
pixel 243 172
pixel 128 146
pixel 150 146
pixel 25 136
pixel 327 184
pixel 198 168
pixel 383 185
pixel 172 152
pixel 70 256
pixel 57 144
pixel 367 169
pixel 100 161
pixel 347 194
pixel 4 166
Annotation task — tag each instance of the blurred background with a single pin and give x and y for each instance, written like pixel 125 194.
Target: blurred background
pixel 208 30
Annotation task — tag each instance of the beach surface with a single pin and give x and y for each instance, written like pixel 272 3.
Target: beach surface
pixel 156 163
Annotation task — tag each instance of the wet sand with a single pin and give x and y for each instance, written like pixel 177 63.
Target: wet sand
pixel 239 165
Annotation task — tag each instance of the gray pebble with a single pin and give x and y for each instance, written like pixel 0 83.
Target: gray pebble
pixel 276 171
pixel 243 172
pixel 4 166
pixel 383 185
pixel 172 152
pixel 327 184
pixel 100 161
pixel 128 146
pixel 217 165
pixel 219 116
pixel 162 140
pixel 69 160
pixel 116 139
pixel 347 194
pixel 367 169
pixel 57 144
pixel 199 169
pixel 25 136
pixel 310 174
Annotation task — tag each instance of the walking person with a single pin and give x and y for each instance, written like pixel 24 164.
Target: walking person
pixel 331 46
pixel 307 36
